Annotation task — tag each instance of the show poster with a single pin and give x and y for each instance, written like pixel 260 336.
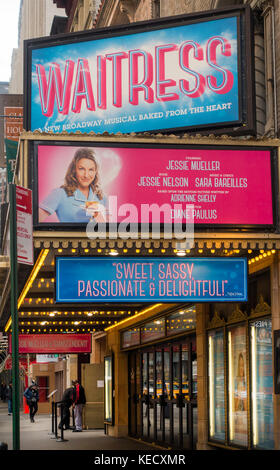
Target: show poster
pixel 239 420
pixel 219 384
pixel 99 279
pixel 167 77
pixel 264 384
pixel 206 185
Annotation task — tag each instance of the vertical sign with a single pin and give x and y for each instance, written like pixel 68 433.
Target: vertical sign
pixel 11 158
pixel 13 122
pixel 24 226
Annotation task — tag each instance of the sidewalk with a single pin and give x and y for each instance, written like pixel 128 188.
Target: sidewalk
pixel 36 436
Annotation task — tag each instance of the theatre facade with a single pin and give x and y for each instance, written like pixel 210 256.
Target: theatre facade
pixel 173 252
pixel 191 361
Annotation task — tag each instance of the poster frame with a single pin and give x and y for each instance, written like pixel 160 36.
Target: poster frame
pixel 62 226
pixel 246 122
pixel 148 301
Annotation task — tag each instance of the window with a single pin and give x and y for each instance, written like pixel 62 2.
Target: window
pixel 216 374
pixel 131 337
pixel 108 390
pixel 262 383
pixel 237 386
pixel 240 384
pixel 178 322
pixel 183 320
pixel 153 330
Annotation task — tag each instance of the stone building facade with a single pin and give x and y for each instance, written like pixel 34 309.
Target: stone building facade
pixel 85 15
pixel 266 21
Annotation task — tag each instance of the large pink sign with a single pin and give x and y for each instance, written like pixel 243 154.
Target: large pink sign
pixel 54 344
pixel 214 186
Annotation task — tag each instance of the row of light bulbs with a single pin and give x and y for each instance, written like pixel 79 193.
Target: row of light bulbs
pixel 178 252
pixel 56 330
pixel 263 254
pixel 89 314
pixel 96 322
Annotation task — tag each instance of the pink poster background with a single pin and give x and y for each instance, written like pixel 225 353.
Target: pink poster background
pixel 121 169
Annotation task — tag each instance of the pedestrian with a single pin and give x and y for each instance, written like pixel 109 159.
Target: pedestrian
pixel 9 397
pixel 3 391
pixel 79 400
pixel 32 396
pixel 67 401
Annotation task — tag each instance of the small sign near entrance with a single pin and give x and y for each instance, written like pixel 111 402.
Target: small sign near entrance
pixel 24 226
pixel 45 358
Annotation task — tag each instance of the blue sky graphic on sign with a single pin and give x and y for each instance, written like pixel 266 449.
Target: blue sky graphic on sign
pixel 173 77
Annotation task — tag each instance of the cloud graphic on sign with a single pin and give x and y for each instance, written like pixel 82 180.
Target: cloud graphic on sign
pixel 109 163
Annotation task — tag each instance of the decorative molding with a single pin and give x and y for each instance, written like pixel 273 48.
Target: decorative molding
pixel 216 322
pixel 150 137
pixel 237 315
pixel 46 240
pixel 128 7
pixel 262 308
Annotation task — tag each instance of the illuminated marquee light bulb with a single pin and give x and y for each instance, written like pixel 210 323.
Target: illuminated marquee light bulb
pixel 113 252
pixel 180 252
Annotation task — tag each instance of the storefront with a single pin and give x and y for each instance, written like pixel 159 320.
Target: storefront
pixel 172 364
pixel 200 376
pixel 240 370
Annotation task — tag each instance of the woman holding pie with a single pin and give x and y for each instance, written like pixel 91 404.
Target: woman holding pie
pixel 80 197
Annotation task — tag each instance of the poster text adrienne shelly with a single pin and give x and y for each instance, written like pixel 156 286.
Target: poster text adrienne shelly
pixel 85 82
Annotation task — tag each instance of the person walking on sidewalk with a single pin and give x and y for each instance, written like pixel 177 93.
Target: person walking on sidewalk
pixel 32 396
pixel 9 396
pixel 79 400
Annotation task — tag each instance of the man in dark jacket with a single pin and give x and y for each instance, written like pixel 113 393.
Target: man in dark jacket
pixel 32 397
pixel 67 401
pixel 79 400
pixel 9 396
pixel 3 391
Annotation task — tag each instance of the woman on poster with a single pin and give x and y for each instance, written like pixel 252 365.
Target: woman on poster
pixel 240 394
pixel 80 197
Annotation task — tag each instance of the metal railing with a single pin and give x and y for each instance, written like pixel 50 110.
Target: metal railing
pixel 58 427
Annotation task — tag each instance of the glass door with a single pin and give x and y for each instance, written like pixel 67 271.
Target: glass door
pixel 163 399
pixel 133 393
pixel 147 395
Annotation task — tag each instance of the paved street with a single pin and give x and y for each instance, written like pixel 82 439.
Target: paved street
pixel 36 436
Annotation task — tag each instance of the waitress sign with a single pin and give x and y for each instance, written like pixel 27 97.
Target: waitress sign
pixel 161 75
pixel 87 279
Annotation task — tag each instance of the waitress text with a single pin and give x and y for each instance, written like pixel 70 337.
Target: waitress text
pixel 83 82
